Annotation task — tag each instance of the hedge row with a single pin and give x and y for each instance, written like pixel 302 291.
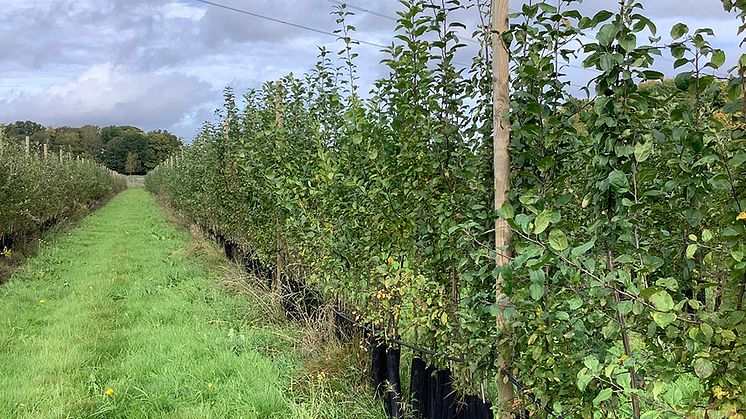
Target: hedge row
pixel 624 296
pixel 36 192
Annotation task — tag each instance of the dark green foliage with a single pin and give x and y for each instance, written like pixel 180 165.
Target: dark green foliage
pixel 109 145
pixel 161 145
pixel 20 129
pixel 149 149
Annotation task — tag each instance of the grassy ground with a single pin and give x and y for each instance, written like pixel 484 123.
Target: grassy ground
pixel 119 318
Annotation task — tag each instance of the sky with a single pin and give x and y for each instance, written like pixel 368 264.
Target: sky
pixel 163 64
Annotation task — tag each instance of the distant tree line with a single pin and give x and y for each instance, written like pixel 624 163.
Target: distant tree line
pixel 125 149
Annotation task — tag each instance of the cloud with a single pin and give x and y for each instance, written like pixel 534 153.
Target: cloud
pixel 109 95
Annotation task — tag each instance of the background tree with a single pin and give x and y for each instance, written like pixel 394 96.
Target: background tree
pixel 110 145
pixel 117 149
pixel 161 144
pixel 132 165
pixel 20 129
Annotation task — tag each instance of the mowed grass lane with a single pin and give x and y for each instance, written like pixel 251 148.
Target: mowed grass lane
pixel 116 319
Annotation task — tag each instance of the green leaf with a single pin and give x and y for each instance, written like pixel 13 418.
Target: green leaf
pixel 577 251
pixel 691 250
pixel 653 75
pixel 625 307
pixel 680 62
pixel 536 290
pixel 592 363
pixel 542 222
pixel 678 51
pixel 584 378
pixel 738 159
pixel 575 303
pixel 679 30
pixel 703 368
pixel 618 181
pixel 683 80
pixel 547 8
pixel 643 151
pixel 663 319
pixel 736 317
pixel 670 283
pixel 652 262
pixel 602 396
pixel 718 59
pixel 706 235
pixel 629 42
pixel 662 301
pixel 706 330
pixel 607 34
pixel 601 16
pixel 558 240
pixel 506 211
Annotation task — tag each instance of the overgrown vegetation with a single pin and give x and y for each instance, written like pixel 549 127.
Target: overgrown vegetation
pixel 628 208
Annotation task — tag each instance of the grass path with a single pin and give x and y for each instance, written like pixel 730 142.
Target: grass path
pixel 116 320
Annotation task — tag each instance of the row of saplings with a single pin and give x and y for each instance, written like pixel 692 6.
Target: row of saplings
pixel 431 391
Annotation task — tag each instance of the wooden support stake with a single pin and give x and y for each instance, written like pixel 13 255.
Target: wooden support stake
pixel 501 143
pixel 279 263
pixel 28 145
pixel 46 151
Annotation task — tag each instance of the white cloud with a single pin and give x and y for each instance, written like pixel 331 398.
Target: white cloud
pixel 105 94
pixel 183 11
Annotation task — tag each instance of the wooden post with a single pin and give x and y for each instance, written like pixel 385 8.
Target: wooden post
pixel 279 263
pixel 28 145
pixel 501 143
pixel 46 150
pixel 60 155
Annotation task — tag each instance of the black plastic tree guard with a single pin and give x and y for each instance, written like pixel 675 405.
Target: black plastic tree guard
pixel 393 386
pixel 378 364
pixel 419 389
pixel 474 408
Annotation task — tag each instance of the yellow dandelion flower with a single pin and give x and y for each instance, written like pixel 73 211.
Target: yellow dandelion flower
pixel 741 216
pixel 42 301
pixel 7 252
pixel 109 392
pixel 321 376
pixel 209 385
